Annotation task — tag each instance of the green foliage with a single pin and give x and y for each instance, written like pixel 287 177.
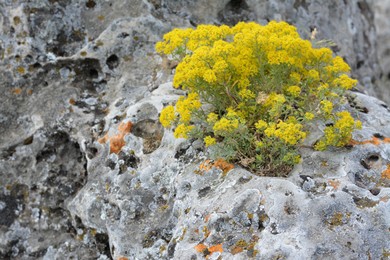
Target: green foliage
pixel 254 90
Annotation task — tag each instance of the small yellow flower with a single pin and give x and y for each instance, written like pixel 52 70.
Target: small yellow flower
pixel 345 82
pixel 313 74
pixel 209 76
pixel 261 125
pixel 225 125
pixel 185 106
pixel 288 132
pixel 326 107
pixel 309 116
pixel 294 91
pixel 295 77
pixel 246 94
pixel 208 140
pixel 182 131
pixel 259 144
pixel 212 118
pixel 167 116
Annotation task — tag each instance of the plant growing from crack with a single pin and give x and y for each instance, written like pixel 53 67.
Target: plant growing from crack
pixel 254 91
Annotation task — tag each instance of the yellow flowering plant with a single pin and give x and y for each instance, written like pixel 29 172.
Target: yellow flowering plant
pixel 253 92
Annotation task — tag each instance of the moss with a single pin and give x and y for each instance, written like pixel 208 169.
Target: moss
pixel 21 70
pixel 162 249
pixel 17 20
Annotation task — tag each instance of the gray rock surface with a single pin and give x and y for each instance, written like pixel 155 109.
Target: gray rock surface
pixel 382 25
pixel 80 79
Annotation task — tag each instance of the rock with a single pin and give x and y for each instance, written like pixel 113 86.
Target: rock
pixel 382 9
pixel 74 72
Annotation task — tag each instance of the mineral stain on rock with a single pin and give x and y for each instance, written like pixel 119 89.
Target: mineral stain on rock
pixel 117 141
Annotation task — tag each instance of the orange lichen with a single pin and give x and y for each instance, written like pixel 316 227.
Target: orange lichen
pixel 122 258
pixel 72 101
pixel 207 251
pixel 17 91
pixel 216 248
pixel 375 141
pixel 207 218
pixel 386 173
pixel 200 248
pixel 205 166
pixel 221 164
pixel 29 92
pixel 334 183
pixel 117 141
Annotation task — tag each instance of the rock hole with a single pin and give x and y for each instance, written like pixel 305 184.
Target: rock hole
pixel 234 12
pixel 28 140
pixel 37 65
pixel 203 192
pixel 123 35
pixel 129 159
pixel 359 64
pixel 373 158
pixel 91 152
pixel 110 164
pixel 370 161
pixel 375 191
pixel 90 4
pixel 362 109
pixel 237 5
pixel 378 135
pixel 103 243
pixel 93 73
pixel 112 62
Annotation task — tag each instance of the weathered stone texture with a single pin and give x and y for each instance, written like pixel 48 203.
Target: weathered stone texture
pixel 88 172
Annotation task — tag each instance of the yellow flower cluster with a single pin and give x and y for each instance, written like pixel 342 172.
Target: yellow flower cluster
pixel 345 82
pixel 261 125
pixel 294 91
pixel 326 107
pixel 225 125
pixel 253 89
pixel 185 106
pixel 167 116
pixel 182 131
pixel 183 112
pixel 208 140
pixel 288 132
pixel 340 133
